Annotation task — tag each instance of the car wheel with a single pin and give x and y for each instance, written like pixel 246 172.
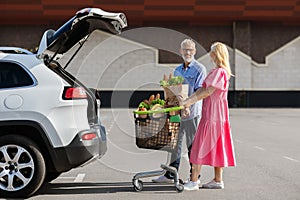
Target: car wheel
pixel 22 166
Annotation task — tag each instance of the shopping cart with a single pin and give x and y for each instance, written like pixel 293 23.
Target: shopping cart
pixel 158 130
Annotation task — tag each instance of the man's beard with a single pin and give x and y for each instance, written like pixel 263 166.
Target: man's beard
pixel 188 59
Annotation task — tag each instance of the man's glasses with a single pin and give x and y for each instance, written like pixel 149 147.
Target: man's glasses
pixel 190 50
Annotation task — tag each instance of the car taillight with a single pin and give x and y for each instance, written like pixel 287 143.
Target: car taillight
pixel 74 93
pixel 88 136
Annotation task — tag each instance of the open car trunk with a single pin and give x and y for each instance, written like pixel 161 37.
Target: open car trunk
pixel 72 35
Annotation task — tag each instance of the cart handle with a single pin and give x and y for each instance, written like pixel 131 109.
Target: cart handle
pixel 158 111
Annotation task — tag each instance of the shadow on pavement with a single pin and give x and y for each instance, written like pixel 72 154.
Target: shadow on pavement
pixel 96 188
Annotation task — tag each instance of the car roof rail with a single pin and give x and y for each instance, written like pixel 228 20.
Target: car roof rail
pixel 15 50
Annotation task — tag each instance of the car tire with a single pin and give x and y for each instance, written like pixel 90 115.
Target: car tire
pixel 22 167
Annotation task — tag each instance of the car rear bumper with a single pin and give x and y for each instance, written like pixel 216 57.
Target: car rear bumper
pixel 81 152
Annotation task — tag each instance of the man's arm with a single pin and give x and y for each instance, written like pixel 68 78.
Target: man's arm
pixel 200 78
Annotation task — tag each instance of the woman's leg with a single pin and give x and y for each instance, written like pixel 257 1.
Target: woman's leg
pixel 218 174
pixel 195 172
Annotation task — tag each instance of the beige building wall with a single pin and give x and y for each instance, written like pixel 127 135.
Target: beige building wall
pixel 281 71
pixel 114 63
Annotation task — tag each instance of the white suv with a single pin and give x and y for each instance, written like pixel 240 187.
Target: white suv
pixel 49 121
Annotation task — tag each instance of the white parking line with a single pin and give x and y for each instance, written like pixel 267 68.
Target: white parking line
pixel 66 177
pixel 263 149
pixel 260 148
pixel 291 159
pixel 79 178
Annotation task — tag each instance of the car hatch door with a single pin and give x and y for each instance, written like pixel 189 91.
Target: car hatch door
pixel 78 28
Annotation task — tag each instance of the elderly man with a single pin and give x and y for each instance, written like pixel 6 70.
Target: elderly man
pixel 194 74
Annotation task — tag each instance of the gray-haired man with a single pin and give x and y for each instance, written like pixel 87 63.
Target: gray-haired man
pixel 194 74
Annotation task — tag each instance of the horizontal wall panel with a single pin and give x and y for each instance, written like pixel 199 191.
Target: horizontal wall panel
pixel 62 2
pixel 212 15
pixel 232 8
pixel 236 99
pixel 260 8
pixel 14 8
pixel 140 11
pixel 268 13
pixel 118 2
pixel 170 3
pixel 220 2
pixel 58 12
pixel 168 13
pixel 11 2
pixel 167 8
pixel 271 3
pixel 123 8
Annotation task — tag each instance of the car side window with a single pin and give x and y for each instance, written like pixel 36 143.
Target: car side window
pixel 13 75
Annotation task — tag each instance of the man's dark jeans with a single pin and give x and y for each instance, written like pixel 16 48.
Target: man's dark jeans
pixel 187 128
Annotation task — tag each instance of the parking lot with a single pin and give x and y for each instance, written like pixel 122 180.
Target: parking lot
pixel 267 151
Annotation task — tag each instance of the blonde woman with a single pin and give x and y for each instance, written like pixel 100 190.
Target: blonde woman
pixel 213 142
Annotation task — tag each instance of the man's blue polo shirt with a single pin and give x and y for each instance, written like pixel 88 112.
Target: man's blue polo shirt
pixel 194 75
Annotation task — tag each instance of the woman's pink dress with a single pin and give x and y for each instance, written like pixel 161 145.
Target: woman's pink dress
pixel 213 142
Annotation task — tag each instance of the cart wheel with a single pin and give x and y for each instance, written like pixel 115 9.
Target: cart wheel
pixel 181 181
pixel 179 188
pixel 137 185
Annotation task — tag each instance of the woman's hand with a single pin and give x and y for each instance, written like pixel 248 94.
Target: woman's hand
pixel 185 112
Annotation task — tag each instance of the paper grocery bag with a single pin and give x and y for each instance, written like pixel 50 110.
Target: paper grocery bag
pixel 175 93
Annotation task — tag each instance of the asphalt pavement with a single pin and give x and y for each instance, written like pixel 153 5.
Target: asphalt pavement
pixel 267 146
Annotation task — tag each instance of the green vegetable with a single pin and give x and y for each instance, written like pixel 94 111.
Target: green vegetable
pixel 158 101
pixel 176 80
pixel 144 105
pixel 163 83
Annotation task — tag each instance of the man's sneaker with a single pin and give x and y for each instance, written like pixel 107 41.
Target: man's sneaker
pixel 188 180
pixel 162 179
pixel 214 185
pixel 191 186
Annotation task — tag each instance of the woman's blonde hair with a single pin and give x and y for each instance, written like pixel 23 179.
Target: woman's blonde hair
pixel 221 56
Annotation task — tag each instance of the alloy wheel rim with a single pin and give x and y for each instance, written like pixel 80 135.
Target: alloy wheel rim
pixel 16 167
